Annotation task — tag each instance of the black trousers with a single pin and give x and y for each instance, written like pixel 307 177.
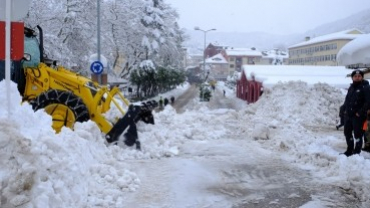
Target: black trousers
pixel 353 129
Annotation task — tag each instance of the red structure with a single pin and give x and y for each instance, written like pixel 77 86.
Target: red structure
pixel 212 50
pixel 17 40
pixel 248 90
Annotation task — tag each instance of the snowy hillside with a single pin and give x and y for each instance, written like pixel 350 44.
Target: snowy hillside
pixel 360 21
pixel 266 41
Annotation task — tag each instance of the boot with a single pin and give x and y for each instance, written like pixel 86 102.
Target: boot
pixel 358 146
pixel 350 145
pixel 348 153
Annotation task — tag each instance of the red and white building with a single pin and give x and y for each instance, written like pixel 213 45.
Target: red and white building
pixel 248 88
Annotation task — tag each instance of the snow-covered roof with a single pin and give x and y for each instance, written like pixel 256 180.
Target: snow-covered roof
pixel 242 52
pixel 216 44
pixel 275 54
pixel 342 35
pixel 216 59
pixel 355 52
pixel 272 74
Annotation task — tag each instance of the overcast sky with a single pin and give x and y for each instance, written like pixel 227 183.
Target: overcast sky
pixel 277 17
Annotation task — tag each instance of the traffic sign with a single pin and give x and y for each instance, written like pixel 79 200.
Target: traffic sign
pixel 96 67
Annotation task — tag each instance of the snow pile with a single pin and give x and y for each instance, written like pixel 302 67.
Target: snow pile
pixel 77 168
pixel 293 121
pixel 293 102
pixel 356 51
pixel 43 169
pixel 297 121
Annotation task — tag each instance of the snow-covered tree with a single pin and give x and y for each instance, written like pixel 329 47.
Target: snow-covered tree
pixel 127 31
pixel 68 26
pixel 131 31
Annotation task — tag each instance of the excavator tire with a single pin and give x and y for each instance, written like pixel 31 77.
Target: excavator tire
pixel 64 107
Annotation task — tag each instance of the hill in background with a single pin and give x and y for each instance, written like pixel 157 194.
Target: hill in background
pixel 266 41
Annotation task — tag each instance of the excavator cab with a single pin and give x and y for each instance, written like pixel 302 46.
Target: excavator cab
pixel 32 54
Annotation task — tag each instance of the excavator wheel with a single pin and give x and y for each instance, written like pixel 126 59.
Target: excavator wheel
pixel 64 107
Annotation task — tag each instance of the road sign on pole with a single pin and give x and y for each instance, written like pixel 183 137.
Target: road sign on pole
pixel 96 67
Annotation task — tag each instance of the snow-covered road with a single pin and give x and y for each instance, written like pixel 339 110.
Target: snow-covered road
pixel 282 151
pixel 229 173
pixel 236 171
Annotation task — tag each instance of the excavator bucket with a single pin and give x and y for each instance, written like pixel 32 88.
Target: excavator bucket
pixel 126 126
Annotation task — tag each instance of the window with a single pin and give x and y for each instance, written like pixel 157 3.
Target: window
pixel 231 65
pixel 232 59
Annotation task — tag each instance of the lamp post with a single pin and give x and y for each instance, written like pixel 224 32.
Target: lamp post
pixel 205 40
pixel 204 57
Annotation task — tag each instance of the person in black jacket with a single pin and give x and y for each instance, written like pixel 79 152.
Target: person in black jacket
pixel 166 101
pixel 355 106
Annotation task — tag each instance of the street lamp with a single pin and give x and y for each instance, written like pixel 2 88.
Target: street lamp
pixel 205 38
pixel 204 58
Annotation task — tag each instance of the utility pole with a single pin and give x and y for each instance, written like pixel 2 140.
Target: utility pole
pixel 98 37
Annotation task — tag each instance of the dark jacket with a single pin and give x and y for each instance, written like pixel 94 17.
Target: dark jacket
pixel 341 111
pixel 357 99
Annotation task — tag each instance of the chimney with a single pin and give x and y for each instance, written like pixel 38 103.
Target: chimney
pixel 307 38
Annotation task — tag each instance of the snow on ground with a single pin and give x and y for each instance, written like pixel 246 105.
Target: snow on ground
pixel 292 121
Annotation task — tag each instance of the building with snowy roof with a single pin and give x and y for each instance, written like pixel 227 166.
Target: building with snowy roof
pixel 321 50
pixel 213 49
pixel 218 67
pixel 274 57
pixel 240 56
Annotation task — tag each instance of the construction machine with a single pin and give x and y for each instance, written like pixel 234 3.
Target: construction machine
pixel 69 97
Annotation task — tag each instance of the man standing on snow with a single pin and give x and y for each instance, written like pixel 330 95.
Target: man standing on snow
pixel 356 104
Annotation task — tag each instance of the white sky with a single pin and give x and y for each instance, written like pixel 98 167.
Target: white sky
pixel 276 17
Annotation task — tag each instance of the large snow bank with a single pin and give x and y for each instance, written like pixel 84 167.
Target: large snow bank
pixel 356 51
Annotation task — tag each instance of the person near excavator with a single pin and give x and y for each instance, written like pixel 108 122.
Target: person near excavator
pixel 172 99
pixel 356 104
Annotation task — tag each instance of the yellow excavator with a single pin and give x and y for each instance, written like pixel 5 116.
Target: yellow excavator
pixel 69 97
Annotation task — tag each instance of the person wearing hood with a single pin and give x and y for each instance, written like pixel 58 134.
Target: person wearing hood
pixel 356 104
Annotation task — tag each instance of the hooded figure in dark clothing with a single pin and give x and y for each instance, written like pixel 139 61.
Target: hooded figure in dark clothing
pixel 356 104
